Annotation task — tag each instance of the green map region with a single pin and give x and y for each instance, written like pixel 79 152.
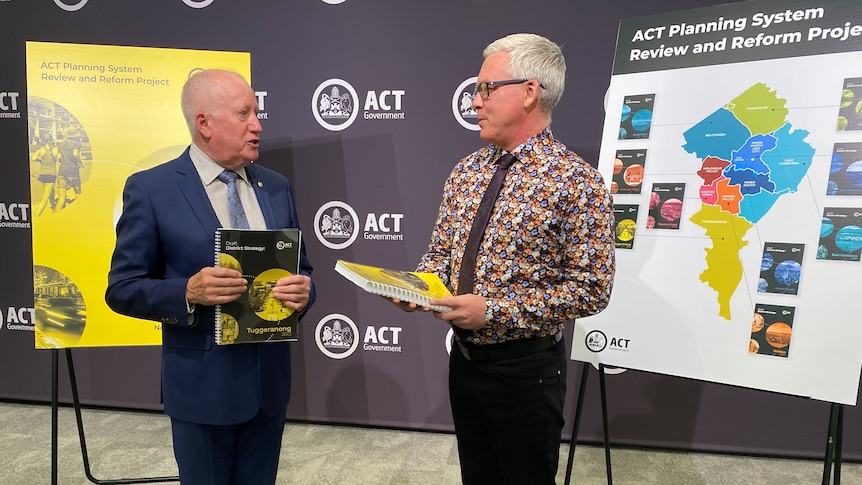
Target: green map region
pixel 750 156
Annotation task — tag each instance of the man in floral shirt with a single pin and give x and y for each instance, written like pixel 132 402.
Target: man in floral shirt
pixel 546 258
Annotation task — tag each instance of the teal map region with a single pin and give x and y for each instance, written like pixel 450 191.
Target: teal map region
pixel 750 156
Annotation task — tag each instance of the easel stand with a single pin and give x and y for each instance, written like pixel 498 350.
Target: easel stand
pixel 833 444
pixel 77 406
pixel 831 462
pixel 577 421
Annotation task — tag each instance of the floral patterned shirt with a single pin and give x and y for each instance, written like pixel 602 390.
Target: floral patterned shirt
pixel 548 252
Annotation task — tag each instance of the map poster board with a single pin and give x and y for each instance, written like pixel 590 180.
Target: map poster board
pixel 752 138
pixel 96 115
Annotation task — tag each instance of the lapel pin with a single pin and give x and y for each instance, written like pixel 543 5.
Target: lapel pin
pixel 260 184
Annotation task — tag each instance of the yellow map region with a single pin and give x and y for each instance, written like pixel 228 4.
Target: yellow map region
pixel 723 267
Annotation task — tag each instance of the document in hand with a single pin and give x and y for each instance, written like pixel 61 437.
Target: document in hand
pixel 263 257
pixel 409 286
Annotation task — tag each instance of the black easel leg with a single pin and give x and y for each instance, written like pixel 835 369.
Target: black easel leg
pixel 55 362
pixel 77 405
pixel 577 421
pixel 834 412
pixel 839 437
pixel 605 424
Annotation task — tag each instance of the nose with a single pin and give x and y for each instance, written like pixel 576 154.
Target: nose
pixel 255 126
pixel 478 102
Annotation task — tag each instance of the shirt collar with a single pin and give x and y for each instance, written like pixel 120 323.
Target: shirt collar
pixel 208 169
pixel 524 150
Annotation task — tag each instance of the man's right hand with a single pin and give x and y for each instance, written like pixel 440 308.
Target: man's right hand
pixel 406 305
pixel 215 285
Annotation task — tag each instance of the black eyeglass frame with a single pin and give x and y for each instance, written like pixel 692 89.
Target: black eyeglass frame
pixel 484 89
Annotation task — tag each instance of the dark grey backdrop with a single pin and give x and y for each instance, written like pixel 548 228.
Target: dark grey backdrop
pixel 389 166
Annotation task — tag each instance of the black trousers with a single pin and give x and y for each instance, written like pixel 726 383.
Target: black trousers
pixel 508 416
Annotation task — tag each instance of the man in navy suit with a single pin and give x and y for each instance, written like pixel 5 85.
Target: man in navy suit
pixel 227 403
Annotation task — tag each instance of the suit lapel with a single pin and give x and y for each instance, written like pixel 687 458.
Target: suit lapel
pixel 190 183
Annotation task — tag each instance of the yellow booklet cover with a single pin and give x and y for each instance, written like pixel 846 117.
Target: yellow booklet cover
pixel 410 286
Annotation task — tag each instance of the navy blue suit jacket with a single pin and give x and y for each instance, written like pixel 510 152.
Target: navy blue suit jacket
pixel 165 235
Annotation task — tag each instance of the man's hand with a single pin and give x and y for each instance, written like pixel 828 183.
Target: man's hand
pixel 468 311
pixel 294 291
pixel 406 305
pixel 215 285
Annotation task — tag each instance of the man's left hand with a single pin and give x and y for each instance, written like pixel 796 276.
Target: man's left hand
pixel 294 291
pixel 468 311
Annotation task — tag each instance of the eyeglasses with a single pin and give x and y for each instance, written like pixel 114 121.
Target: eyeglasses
pixel 484 89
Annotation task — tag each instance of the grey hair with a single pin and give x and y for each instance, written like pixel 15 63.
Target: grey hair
pixel 532 56
pixel 197 94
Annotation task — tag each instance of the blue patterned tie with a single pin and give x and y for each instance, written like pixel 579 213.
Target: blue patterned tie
pixel 237 214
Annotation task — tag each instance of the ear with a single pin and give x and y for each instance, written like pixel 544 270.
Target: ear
pixel 531 95
pixel 202 124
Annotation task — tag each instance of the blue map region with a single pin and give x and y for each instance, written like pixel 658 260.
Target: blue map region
pixel 749 181
pixel 763 166
pixel 753 208
pixel 787 163
pixel 718 135
pixel 748 157
pixel 790 160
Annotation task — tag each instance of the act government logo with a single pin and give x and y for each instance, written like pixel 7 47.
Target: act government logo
pixel 335 104
pixel 9 105
pixel 449 341
pixel 462 105
pixel 74 6
pixel 71 6
pixel 261 104
pixel 336 336
pixel 20 318
pixel 198 3
pixel 336 225
pixel 14 215
pixel 596 341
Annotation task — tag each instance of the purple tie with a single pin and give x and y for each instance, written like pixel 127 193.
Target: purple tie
pixel 480 222
pixel 234 205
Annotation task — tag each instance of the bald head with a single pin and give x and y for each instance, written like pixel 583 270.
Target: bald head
pixel 220 109
pixel 203 92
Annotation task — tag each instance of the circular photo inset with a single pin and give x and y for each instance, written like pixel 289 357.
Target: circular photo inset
pixel 228 261
pixel 229 329
pixel 671 210
pixel 757 324
pixel 778 335
pixel 260 298
pixel 60 311
pixel 634 175
pixel 753 346
pixel 625 230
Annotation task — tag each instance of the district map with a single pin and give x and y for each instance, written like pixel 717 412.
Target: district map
pixel 750 156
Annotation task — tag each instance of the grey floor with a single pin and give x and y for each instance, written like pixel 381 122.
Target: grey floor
pixel 124 444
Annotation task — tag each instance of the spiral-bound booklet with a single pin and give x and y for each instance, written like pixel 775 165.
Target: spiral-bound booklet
pixel 263 257
pixel 410 286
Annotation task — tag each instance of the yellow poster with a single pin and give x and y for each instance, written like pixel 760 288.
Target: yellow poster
pixel 96 115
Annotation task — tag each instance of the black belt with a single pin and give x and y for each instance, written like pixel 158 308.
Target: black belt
pixel 507 350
